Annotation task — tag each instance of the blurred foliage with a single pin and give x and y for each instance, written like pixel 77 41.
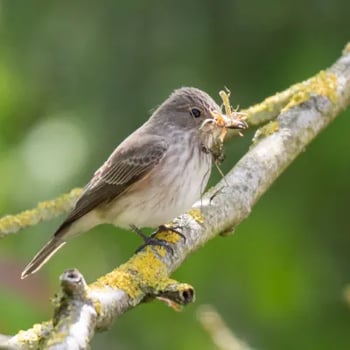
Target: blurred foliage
pixel 77 77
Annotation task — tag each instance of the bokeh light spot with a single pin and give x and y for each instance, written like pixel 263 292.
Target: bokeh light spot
pixel 54 150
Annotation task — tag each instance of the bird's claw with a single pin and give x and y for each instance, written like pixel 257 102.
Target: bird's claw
pixel 152 241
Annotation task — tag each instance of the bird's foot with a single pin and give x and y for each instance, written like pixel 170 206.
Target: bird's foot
pixel 175 229
pixel 152 240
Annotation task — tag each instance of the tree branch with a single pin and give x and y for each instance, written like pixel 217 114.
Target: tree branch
pixel 302 112
pixel 217 329
pixel 44 211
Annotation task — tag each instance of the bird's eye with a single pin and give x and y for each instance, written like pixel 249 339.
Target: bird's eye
pixel 195 112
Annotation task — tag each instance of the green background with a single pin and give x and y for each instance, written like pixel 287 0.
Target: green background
pixel 77 77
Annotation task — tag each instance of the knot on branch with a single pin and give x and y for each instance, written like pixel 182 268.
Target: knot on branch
pixel 73 283
pixel 176 294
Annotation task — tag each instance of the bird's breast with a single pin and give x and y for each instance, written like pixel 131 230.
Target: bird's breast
pixel 169 190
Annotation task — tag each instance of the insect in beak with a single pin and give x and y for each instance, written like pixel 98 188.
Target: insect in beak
pixel 235 121
pixel 232 119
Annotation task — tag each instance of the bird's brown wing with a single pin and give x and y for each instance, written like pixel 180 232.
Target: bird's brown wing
pixel 130 162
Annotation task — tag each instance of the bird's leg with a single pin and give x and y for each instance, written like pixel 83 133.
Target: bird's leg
pixel 139 232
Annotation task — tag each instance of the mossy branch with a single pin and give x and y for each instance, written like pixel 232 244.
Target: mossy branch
pixel 298 114
pixel 44 211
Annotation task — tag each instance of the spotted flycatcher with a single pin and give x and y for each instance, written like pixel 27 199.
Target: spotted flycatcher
pixel 154 175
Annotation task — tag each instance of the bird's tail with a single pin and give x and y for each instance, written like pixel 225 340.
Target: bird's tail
pixel 43 256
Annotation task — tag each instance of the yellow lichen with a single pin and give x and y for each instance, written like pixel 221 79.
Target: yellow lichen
pixel 257 114
pixel 144 269
pixel 266 130
pixel 44 211
pixel 323 84
pixel 168 236
pixel 196 215
pixel 97 306
pixel 148 265
pixel 34 334
pixel 346 49
pixel 118 279
pixel 267 105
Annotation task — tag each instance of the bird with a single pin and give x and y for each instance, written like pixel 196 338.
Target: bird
pixel 157 173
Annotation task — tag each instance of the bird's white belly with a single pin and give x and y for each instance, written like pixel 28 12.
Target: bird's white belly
pixel 163 195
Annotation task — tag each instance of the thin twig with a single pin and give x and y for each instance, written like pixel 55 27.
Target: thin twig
pixel 222 336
